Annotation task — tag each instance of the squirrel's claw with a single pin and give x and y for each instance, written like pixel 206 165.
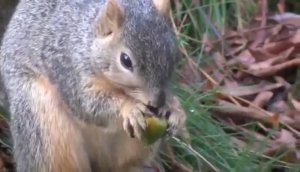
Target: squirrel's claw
pixel 174 114
pixel 133 119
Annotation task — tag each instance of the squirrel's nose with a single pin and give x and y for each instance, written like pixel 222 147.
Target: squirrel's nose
pixel 158 99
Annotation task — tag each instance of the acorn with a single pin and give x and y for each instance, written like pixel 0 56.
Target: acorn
pixel 155 129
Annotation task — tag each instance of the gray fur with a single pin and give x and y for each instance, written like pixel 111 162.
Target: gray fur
pixel 53 38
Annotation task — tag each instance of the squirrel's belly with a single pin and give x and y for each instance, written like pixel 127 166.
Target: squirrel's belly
pixel 111 146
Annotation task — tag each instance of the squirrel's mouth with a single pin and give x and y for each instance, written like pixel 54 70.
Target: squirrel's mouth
pixel 152 109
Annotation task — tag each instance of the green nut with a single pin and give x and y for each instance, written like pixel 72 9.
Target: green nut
pixel 155 129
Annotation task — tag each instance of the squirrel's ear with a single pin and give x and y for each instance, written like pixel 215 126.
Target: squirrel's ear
pixel 111 18
pixel 163 6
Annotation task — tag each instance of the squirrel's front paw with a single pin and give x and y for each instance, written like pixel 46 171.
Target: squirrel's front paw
pixel 133 118
pixel 174 114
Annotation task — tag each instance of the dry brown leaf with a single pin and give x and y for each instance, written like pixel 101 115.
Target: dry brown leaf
pixel 290 156
pixel 277 47
pixel 262 98
pixel 287 18
pixel 226 108
pixel 268 63
pixel 276 30
pixel 280 79
pixel 287 139
pixel 293 122
pixel 264 72
pixel 235 50
pixel 283 56
pixel 260 54
pixel 286 142
pixel 245 58
pixel 230 83
pixel 296 37
pixel 278 107
pixel 281 33
pixel 250 90
pixel 291 113
pixel 296 104
pixel 292 40
pixel 273 33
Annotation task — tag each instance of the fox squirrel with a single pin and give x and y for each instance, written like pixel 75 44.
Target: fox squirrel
pixel 80 75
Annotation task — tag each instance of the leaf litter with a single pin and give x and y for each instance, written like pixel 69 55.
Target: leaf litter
pixel 257 79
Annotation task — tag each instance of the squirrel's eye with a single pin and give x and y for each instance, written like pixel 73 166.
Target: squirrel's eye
pixel 125 61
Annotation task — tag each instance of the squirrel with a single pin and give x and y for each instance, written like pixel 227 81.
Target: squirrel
pixel 80 76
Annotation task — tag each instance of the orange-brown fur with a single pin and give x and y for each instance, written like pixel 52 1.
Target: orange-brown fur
pixel 65 144
pixel 74 145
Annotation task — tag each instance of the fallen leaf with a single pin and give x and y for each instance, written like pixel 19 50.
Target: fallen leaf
pixel 278 107
pixel 296 37
pixel 281 80
pixel 295 103
pixel 237 46
pixel 273 33
pixel 262 98
pixel 229 83
pixel 226 108
pixel 287 18
pixel 276 59
pixel 274 48
pixel 249 90
pixel 267 71
pixel 246 58
pixel 287 139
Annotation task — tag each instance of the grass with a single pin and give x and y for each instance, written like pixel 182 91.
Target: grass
pixel 211 140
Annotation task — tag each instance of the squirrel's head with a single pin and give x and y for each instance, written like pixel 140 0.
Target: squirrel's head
pixel 136 44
